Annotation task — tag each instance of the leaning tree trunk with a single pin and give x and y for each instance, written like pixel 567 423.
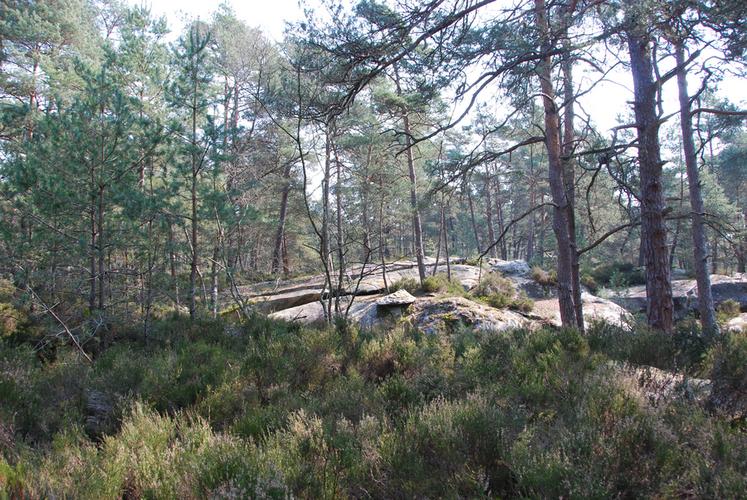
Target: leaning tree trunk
pixel 555 175
pixel 653 227
pixel 700 244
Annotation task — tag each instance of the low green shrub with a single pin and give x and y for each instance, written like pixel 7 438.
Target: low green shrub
pixel 727 362
pixel 279 410
pixel 500 292
pixel 727 310
pixel 684 349
pixel 589 282
pixel 440 284
pixel 544 278
pixel 410 284
pixel 617 275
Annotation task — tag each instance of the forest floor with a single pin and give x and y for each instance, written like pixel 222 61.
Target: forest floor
pixel 271 409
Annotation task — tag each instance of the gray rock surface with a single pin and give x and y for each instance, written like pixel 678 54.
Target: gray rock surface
pixel 433 315
pixel 298 300
pixel 510 267
pixel 738 324
pixel 398 298
pixel 595 309
pixel 363 311
pixel 685 294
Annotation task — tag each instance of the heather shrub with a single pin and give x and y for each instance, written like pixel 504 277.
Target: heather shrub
pixel 544 278
pixel 410 284
pixel 333 412
pixel 727 310
pixel 440 283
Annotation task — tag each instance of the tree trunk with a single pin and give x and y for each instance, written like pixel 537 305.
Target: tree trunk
pixel 472 217
pixel 569 175
pixel 653 227
pixel 193 196
pixel 532 202
pixel 499 213
pixel 194 262
pixel 416 224
pixel 340 232
pixel 172 265
pixel 417 228
pixel 101 249
pixel 555 175
pixel 365 200
pixel 214 280
pixel 277 254
pixel 700 244
pixel 446 241
pixel 438 242
pixel 325 244
pixel 489 212
pixel 382 241
pixel 92 260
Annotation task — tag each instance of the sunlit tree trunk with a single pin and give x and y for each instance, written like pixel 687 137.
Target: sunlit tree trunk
pixel 653 227
pixel 555 174
pixel 569 175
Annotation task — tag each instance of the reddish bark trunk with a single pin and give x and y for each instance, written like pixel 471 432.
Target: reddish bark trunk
pixel 653 227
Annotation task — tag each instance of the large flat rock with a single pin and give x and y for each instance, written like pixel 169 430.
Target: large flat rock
pixel 272 296
pixel 595 309
pixel 685 294
pixel 363 311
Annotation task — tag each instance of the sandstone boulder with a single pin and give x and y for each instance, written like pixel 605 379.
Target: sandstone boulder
pixel 432 315
pixel 510 267
pixel 398 298
pixel 595 309
pixel 685 294
pixel 738 324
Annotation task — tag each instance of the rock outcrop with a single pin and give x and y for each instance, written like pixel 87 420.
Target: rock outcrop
pixel 363 311
pixel 510 267
pixel 432 315
pixel 738 324
pixel 685 294
pixel 272 296
pixel 301 300
pixel 595 309
pixel 401 298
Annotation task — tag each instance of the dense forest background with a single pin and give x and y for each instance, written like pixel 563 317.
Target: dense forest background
pixel 149 179
pixel 141 173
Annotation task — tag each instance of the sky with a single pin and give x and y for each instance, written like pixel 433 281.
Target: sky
pixel 605 103
pixel 270 15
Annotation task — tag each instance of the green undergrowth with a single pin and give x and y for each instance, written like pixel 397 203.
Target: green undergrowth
pixel 268 409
